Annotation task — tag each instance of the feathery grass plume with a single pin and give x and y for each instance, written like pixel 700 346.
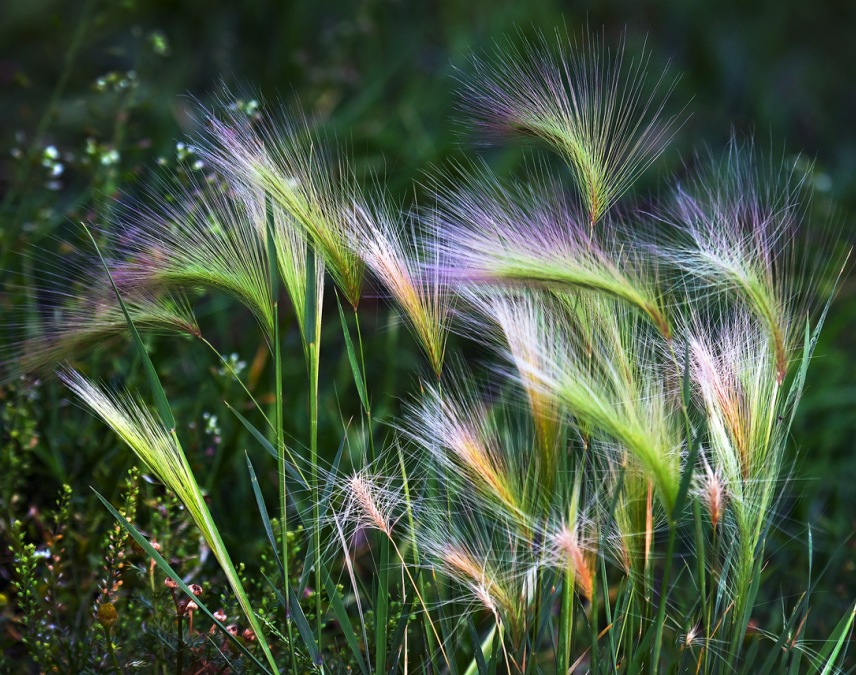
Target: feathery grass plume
pixel 739 227
pixel 589 104
pixel 204 237
pixel 70 308
pixel 369 501
pixel 411 267
pixel 76 322
pixel 533 234
pixel 748 412
pixel 161 452
pixel 286 159
pixel 462 435
pixel 572 545
pixel 734 372
pixel 609 375
pixel 293 261
pixel 460 564
pixel 518 317
pixel 482 551
pixel 710 489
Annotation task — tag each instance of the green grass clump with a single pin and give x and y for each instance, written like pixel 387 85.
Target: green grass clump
pixel 598 496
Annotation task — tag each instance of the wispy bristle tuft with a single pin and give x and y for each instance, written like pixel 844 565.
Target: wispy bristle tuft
pixel 589 104
pixel 287 160
pixel 411 267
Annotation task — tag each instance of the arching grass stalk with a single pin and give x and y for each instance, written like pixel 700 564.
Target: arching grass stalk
pixel 161 451
pixel 279 425
pixel 312 328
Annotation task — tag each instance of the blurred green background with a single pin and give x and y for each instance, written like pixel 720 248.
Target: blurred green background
pixel 95 95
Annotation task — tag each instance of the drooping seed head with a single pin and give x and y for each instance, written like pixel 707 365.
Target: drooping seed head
pixel 569 545
pixel 532 235
pixel 286 159
pixel 207 236
pixel 410 266
pixel 598 110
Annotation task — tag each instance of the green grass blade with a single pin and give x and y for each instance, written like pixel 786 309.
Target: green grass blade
pixel 398 635
pixel 494 650
pixel 831 650
pixel 478 656
pixel 344 620
pixel 686 478
pixel 303 626
pixel 308 561
pixel 292 470
pixel 352 357
pixel 381 607
pixel 295 612
pixel 265 443
pixel 260 502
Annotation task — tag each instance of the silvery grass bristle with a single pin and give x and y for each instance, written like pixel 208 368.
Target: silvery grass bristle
pixel 205 235
pixel 516 318
pixel 630 518
pixel 534 233
pixel 289 160
pixel 491 562
pixel 735 375
pixel 71 323
pixel 455 426
pixel 625 345
pixel 740 227
pixel 402 254
pixel 596 107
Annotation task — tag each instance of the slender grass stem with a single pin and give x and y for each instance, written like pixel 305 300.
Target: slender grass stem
pixel 566 619
pixel 280 469
pixel 664 598
pixel 381 604
pixel 418 596
pixel 314 364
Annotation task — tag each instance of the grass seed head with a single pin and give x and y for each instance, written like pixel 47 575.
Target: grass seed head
pixel 286 159
pixel 590 104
